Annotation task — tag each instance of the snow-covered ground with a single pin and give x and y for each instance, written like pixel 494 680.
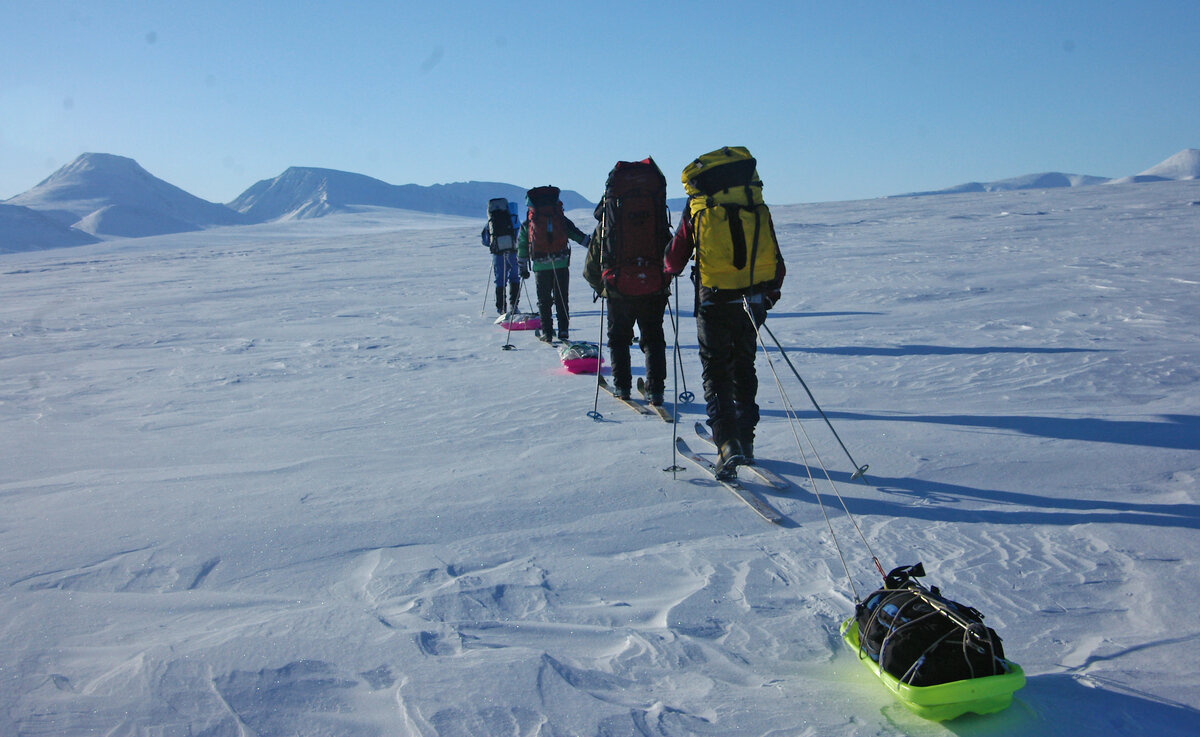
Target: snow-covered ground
pixel 282 480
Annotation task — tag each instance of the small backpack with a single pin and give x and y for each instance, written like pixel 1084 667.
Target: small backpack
pixel 923 638
pixel 500 228
pixel 634 228
pixel 547 224
pixel 735 247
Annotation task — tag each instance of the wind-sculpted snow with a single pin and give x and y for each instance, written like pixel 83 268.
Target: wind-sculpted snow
pixel 282 480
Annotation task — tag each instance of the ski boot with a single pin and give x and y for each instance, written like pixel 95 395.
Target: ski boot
pixel 729 457
pixel 514 294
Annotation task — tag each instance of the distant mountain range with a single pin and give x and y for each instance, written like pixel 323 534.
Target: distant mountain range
pixel 101 196
pixel 302 192
pixel 1183 165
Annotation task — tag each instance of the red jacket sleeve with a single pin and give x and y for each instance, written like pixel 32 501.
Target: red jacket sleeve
pixel 681 248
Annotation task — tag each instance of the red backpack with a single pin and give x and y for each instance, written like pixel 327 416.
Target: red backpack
pixel 547 224
pixel 634 228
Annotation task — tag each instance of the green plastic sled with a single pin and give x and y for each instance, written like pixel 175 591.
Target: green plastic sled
pixel 943 701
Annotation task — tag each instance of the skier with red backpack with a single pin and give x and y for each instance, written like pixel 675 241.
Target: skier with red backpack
pixel 625 265
pixel 738 274
pixel 543 245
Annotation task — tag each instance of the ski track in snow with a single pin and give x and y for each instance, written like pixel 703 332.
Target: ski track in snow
pixel 285 482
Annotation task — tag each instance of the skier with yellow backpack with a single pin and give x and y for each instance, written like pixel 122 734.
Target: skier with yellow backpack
pixel 738 273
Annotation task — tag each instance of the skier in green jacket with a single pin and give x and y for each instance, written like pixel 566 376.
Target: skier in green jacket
pixel 543 246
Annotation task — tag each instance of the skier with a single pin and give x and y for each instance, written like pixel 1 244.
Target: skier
pixel 543 244
pixel 738 274
pixel 624 265
pixel 499 236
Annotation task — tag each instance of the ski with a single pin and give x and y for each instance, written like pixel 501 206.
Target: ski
pixel 768 476
pixel 631 404
pixel 748 496
pixel 657 409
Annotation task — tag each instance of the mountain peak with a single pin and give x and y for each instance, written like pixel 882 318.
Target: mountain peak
pixel 84 192
pixel 1183 165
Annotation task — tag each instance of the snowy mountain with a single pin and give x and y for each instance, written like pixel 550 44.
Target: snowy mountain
pixel 1182 166
pixel 1047 180
pixel 112 196
pixel 306 192
pixel 24 229
pixel 109 195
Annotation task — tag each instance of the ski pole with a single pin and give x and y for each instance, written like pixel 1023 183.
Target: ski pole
pixel 595 413
pixel 859 471
pixel 487 289
pixel 686 397
pixel 674 468
pixel 508 346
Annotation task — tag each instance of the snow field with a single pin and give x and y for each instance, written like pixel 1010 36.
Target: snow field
pixel 275 481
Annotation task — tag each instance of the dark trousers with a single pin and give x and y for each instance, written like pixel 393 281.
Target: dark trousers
pixel 647 314
pixel 552 292
pixel 728 345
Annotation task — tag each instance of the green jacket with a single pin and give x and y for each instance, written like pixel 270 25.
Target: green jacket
pixel 592 273
pixel 559 260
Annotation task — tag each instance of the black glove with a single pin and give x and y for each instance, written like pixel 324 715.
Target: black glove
pixel 770 298
pixel 524 271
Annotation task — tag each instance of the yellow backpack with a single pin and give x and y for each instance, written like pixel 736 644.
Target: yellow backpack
pixel 735 247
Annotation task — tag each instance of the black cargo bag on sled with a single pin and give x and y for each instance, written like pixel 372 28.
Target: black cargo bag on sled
pixel 923 638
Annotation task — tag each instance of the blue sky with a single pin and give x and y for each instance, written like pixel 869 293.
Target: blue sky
pixel 838 100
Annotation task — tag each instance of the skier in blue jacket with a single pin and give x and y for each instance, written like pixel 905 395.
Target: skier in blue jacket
pixel 504 262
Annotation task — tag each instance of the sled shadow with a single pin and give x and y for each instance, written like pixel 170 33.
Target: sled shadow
pixel 1064 705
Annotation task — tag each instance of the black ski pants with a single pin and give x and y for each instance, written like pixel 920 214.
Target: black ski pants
pixel 728 346
pixel 552 292
pixel 647 313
